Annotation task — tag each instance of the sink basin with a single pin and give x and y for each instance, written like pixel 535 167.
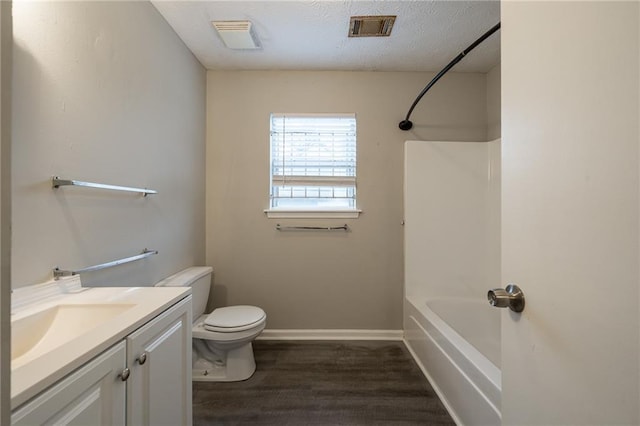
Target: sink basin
pixel 59 326
pixel 38 333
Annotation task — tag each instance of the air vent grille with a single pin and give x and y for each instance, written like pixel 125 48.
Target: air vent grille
pixel 232 25
pixel 371 26
pixel 237 34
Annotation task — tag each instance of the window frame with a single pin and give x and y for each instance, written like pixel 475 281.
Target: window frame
pixel 309 212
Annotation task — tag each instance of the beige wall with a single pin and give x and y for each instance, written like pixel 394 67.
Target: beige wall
pixel 105 92
pixel 321 280
pixel 493 103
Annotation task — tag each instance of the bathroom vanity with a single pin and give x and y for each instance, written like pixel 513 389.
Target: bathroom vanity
pixel 108 356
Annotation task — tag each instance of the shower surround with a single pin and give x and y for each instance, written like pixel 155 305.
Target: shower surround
pixel 452 257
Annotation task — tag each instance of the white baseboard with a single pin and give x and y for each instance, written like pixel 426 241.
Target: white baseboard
pixel 279 334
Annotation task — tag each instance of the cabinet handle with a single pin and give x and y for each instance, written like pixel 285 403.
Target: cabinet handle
pixel 142 358
pixel 125 374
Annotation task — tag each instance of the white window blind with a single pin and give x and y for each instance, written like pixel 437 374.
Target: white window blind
pixel 313 161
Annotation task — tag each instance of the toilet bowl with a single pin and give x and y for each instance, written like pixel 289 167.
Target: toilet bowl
pixel 222 350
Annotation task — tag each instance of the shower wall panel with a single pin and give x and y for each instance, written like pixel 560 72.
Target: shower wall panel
pixel 452 218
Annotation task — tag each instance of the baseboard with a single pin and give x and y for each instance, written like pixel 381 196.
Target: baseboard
pixel 279 334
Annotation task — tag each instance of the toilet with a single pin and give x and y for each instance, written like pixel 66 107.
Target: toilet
pixel 222 350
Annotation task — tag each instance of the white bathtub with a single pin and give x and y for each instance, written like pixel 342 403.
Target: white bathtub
pixel 456 342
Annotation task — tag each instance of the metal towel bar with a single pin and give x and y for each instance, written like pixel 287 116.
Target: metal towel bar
pixel 344 227
pixel 56 182
pixel 59 273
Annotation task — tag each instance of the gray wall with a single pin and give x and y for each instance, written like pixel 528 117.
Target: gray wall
pixel 6 41
pixel 321 280
pixel 105 92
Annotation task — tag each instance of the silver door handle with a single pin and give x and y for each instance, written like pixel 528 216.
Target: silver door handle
pixel 511 297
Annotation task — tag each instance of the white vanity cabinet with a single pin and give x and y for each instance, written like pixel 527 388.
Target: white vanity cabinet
pixel 91 395
pixel 144 379
pixel 159 355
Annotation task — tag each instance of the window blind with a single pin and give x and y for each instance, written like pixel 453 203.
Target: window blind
pixel 313 160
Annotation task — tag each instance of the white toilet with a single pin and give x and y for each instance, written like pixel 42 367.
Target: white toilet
pixel 222 350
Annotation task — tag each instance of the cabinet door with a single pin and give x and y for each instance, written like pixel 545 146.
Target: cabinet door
pixel 159 356
pixel 92 395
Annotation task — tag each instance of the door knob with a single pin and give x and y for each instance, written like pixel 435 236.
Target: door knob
pixel 511 297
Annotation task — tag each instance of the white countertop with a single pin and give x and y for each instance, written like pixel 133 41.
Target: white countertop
pixel 32 374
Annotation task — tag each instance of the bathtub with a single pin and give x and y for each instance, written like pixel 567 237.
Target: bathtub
pixel 456 343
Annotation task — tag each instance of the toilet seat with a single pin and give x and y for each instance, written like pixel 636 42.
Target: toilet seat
pixel 199 332
pixel 232 319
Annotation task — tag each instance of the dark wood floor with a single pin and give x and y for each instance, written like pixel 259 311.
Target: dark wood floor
pixel 323 383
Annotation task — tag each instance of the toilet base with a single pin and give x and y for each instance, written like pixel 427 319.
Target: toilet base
pixel 239 365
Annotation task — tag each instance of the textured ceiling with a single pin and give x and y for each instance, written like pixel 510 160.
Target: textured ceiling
pixel 312 35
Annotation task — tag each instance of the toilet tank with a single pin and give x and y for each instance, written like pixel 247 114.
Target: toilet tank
pixel 196 277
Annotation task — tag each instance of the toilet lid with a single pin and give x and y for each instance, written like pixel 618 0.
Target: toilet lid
pixel 234 318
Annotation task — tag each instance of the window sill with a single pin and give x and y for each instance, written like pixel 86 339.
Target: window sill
pixel 312 214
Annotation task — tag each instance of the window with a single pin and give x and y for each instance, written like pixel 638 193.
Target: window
pixel 313 162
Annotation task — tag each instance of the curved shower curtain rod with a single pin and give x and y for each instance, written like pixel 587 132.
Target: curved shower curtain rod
pixel 406 124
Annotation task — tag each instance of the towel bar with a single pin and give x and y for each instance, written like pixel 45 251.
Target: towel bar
pixel 344 227
pixel 59 273
pixel 56 182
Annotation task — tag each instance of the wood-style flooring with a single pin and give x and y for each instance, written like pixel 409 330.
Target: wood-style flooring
pixel 323 383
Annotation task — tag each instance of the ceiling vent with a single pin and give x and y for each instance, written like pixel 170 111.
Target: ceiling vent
pixel 371 26
pixel 237 34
